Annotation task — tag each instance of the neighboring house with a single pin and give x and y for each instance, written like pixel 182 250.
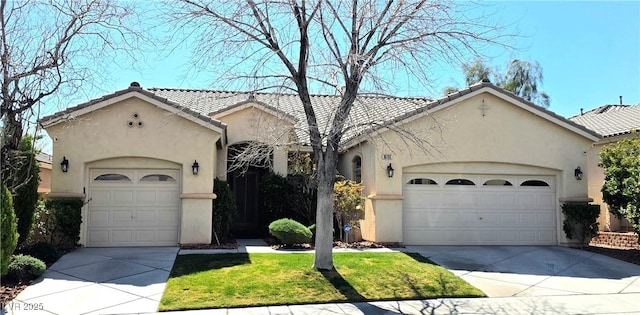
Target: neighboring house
pixel 480 167
pixel 614 123
pixel 44 161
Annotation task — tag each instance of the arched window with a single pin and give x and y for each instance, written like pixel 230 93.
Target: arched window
pixel 534 183
pixel 460 181
pixel 113 178
pixel 497 182
pixel 356 169
pixel 422 181
pixel 157 178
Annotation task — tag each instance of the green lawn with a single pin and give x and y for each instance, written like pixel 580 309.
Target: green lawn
pixel 233 280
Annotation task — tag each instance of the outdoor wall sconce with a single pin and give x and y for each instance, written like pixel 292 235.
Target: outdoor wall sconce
pixel 195 167
pixel 389 170
pixel 64 165
pixel 578 173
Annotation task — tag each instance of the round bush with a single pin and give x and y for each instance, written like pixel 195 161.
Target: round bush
pixel 43 251
pixel 290 231
pixel 25 268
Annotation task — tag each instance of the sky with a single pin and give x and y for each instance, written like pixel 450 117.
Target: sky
pixel 589 53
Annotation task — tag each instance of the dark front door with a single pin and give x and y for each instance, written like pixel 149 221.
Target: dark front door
pixel 247 193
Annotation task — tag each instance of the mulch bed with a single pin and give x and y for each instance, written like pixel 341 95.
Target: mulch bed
pixel 275 244
pixel 9 290
pixel 227 245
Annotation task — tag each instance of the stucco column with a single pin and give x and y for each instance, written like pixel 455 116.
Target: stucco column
pixel 197 218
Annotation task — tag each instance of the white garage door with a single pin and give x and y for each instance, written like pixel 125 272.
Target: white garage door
pixel 133 207
pixel 448 209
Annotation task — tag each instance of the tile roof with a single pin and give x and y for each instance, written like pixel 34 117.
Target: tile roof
pixel 369 113
pixel 44 157
pixel 611 120
pixel 367 110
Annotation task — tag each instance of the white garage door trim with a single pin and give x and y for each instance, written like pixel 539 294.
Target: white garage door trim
pixel 133 207
pixel 485 211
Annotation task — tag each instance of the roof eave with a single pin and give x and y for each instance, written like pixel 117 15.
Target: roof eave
pixel 465 94
pixel 130 92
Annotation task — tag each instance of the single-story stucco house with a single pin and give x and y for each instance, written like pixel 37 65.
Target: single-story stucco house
pixel 614 123
pixel 478 167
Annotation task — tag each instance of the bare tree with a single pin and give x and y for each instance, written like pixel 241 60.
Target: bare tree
pixel 49 47
pixel 342 47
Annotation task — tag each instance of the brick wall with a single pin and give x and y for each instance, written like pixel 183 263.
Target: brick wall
pixel 616 240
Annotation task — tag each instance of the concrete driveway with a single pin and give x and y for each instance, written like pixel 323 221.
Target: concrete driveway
pixel 536 271
pixel 99 281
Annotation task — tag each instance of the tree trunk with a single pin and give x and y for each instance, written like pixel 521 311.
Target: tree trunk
pixel 324 212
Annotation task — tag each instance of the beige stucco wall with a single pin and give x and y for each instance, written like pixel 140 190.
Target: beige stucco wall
pixel 251 123
pixel 607 221
pixel 459 139
pixel 102 138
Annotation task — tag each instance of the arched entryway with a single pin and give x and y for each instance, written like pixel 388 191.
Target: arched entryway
pixel 247 163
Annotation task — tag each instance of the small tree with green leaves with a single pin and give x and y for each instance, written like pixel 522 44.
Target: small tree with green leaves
pixel 621 189
pixel 8 233
pixel 348 203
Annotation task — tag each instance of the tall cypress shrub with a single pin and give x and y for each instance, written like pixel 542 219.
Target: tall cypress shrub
pixel 25 200
pixel 224 210
pixel 8 233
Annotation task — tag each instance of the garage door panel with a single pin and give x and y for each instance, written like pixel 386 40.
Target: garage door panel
pixel 145 217
pixel 121 217
pixel 145 236
pixel 545 201
pixel 97 236
pixel 546 236
pixel 528 236
pixel 489 219
pixel 546 218
pixel 146 197
pixel 509 236
pixel 507 201
pixel 122 196
pixel 167 197
pixel 166 236
pixel 480 215
pixel 508 219
pixel 121 236
pixel 100 196
pixel 133 212
pixel 487 200
pixel 99 217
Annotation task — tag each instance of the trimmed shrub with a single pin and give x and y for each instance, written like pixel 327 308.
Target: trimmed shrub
pixel 290 231
pixel 224 210
pixel 8 227
pixel 580 221
pixel 312 228
pixel 43 251
pixel 25 268
pixel 66 213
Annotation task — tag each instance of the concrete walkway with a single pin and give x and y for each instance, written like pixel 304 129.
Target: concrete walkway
pixel 519 280
pixel 99 281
